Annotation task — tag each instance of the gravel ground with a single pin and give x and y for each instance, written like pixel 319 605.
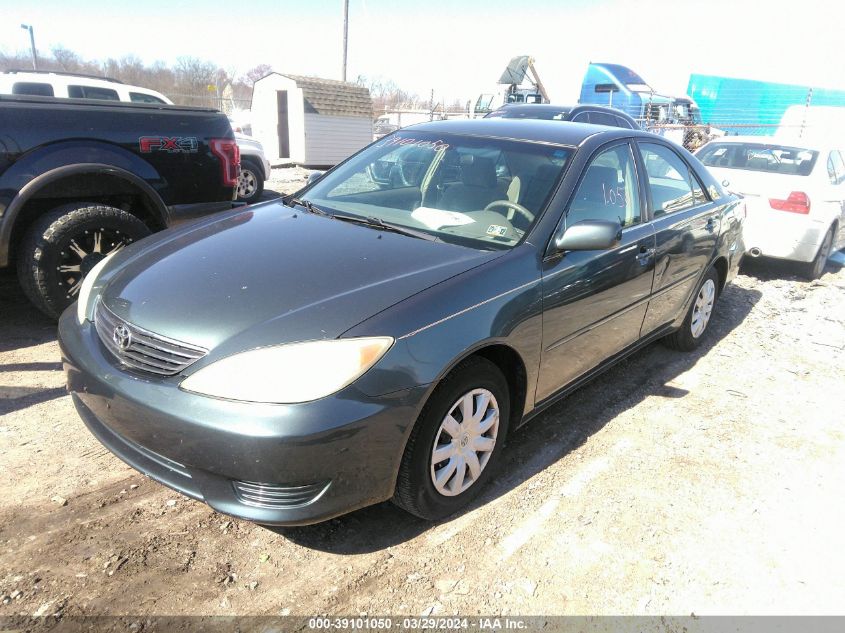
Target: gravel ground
pixel 675 483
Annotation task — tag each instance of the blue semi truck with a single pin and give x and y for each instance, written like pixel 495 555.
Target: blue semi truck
pixel 620 87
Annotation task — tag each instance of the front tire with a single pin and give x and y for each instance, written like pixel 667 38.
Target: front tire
pixel 692 331
pixel 250 182
pixel 64 244
pixel 815 268
pixel 456 442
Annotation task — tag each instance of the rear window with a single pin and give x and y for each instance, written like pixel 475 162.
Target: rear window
pixel 32 88
pixel 603 118
pixel 140 97
pixel 92 92
pixel 778 159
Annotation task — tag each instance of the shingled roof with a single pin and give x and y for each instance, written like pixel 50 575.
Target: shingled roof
pixel 334 98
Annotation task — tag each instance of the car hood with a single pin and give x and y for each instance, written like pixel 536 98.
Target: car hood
pixel 248 142
pixel 271 275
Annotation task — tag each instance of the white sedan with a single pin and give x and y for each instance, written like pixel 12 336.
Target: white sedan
pixel 795 195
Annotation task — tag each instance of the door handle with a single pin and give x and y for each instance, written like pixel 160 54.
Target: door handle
pixel 711 224
pixel 644 255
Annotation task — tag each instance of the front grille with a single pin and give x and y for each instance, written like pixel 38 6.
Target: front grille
pixel 141 349
pixel 278 496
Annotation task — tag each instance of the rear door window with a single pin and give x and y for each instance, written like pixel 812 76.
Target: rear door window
pixel 620 122
pixel 140 97
pixel 32 88
pixel 672 185
pixel 608 190
pixel 92 92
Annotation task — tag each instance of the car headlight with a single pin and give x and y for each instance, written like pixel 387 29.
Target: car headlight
pixel 285 374
pixel 84 300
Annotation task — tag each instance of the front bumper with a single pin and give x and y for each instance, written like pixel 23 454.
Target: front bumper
pixel 272 464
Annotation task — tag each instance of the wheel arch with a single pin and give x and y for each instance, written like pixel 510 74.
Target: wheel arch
pixel 255 160
pixel 508 361
pixel 721 266
pixel 94 182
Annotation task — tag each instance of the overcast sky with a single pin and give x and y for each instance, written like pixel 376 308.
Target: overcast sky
pixel 457 48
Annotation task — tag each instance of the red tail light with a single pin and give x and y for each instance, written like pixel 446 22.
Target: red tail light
pixel 226 149
pixel 797 202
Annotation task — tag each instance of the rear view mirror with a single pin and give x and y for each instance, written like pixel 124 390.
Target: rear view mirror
pixel 589 235
pixel 379 171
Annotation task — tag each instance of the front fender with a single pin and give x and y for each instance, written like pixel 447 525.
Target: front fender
pixel 49 163
pixel 498 303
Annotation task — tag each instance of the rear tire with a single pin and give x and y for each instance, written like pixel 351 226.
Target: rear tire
pixel 432 487
pixel 814 269
pixel 61 247
pixel 695 325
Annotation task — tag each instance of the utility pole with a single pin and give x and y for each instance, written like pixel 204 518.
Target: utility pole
pixel 345 34
pixel 27 27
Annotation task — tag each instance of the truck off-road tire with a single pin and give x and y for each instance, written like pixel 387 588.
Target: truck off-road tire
pixel 64 244
pixel 695 325
pixel 251 181
pixel 456 442
pixel 814 269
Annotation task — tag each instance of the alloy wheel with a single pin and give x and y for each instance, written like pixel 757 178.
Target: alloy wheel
pixel 247 183
pixel 84 251
pixel 821 257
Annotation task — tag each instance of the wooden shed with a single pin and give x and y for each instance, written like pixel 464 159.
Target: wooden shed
pixel 310 121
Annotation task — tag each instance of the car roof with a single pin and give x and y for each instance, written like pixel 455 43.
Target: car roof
pixel 552 107
pixel 534 107
pixel 57 78
pixel 535 130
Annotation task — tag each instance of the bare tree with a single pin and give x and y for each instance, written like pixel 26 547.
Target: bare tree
pixel 254 74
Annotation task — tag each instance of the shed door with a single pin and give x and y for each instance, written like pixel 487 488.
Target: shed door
pixel 284 131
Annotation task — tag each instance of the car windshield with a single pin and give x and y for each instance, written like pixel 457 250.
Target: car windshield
pixel 778 159
pixel 479 192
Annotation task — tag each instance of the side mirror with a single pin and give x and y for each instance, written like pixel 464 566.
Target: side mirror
pixel 313 177
pixel 589 235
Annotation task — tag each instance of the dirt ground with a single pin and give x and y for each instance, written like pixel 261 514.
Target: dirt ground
pixel 675 483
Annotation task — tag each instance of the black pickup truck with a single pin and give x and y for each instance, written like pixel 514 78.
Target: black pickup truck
pixel 79 179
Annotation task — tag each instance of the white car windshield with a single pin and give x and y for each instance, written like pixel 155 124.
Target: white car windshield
pixel 479 192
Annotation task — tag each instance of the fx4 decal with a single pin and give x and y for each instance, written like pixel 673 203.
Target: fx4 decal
pixel 171 145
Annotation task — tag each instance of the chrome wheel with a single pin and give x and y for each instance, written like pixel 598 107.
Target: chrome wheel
pixel 464 442
pixel 703 308
pixel 247 183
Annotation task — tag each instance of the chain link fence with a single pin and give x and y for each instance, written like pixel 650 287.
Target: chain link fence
pixel 227 105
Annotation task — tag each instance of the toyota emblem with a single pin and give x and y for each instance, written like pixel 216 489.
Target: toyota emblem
pixel 122 337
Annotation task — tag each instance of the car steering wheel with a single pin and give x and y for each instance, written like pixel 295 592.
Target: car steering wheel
pixel 511 205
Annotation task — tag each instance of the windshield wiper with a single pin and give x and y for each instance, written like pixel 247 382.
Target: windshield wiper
pixel 306 204
pixel 378 223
